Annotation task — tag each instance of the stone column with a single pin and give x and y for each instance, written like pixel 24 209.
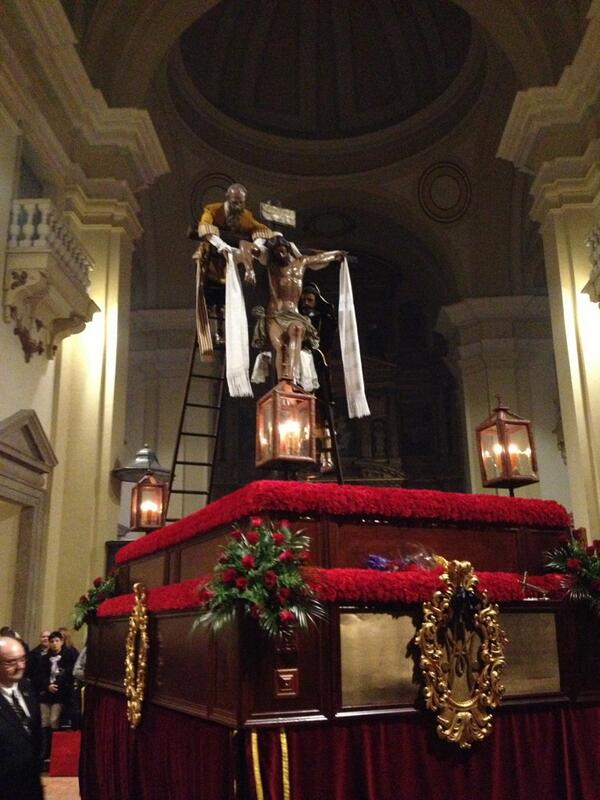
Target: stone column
pixel 501 346
pixel 552 134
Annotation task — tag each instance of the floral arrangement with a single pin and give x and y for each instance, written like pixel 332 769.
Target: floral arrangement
pixel 580 565
pixel 261 569
pixel 85 607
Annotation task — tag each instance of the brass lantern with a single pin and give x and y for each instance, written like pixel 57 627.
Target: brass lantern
pixel 148 503
pixel 285 421
pixel 506 450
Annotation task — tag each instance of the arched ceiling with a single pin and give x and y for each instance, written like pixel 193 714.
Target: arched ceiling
pixel 325 69
pixel 123 44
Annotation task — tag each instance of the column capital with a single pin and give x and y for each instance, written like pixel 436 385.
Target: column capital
pixel 497 332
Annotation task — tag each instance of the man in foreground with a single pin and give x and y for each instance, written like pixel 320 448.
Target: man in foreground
pixel 20 727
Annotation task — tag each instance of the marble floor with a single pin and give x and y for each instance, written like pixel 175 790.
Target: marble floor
pixel 61 788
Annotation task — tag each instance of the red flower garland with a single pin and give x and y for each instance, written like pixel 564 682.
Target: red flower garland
pixel 388 503
pixel 349 586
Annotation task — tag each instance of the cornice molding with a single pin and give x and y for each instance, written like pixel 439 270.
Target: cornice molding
pixel 40 62
pixel 567 181
pixel 474 310
pixel 116 211
pixel 549 121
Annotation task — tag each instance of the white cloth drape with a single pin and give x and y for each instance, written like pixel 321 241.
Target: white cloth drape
pixel 353 375
pixel 237 357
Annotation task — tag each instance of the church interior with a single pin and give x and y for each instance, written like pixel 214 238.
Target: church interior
pixel 450 148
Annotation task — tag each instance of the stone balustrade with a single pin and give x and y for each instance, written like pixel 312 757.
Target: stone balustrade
pixel 47 278
pixel 36 225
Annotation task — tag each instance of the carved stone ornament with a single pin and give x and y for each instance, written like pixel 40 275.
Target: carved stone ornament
pixel 136 657
pixel 462 657
pixel 592 287
pixel 47 278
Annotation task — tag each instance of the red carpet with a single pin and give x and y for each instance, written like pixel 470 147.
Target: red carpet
pixel 64 761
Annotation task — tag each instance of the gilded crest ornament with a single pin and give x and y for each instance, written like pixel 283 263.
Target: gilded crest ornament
pixel 136 656
pixel 462 657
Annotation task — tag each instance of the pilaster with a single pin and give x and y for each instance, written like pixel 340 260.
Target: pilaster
pixel 552 134
pixel 88 426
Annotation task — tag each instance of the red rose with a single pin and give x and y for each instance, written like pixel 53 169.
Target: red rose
pixel 287 555
pixel 284 594
pixel 590 550
pixel 252 537
pixel 284 523
pixel 241 583
pixel 98 582
pixel 278 538
pixel 573 564
pixel 228 575
pixel 579 534
pixel 255 611
pixel 248 561
pixel 304 555
pixel 287 617
pixel 237 535
pixel 256 522
pixel 83 598
pixel 270 579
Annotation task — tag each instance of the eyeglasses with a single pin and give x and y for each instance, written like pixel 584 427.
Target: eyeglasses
pixel 14 662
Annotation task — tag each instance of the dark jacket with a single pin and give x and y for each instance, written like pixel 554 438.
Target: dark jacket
pixel 64 678
pixel 19 750
pixel 34 668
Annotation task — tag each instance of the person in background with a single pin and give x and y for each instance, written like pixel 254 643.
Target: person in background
pixel 20 730
pixel 34 662
pixel 57 673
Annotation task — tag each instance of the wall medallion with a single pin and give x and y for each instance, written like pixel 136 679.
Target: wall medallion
pixel 444 192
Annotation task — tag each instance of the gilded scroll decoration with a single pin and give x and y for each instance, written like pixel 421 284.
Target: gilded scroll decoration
pixel 136 656
pixel 462 657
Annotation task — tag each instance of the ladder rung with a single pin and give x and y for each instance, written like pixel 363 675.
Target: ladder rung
pixel 203 435
pixel 202 405
pixel 195 463
pixel 207 377
pixel 188 491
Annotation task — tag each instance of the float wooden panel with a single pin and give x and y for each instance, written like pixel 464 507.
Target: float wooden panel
pixel 239 678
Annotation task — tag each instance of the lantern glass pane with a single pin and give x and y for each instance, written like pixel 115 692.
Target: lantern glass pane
pixel 519 449
pixel 491 453
pixel 294 427
pixel 150 506
pixel 265 430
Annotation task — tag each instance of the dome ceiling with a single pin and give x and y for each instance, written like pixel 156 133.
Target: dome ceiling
pixel 325 69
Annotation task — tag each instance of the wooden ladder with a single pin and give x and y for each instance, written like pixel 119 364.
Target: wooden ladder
pixel 196 444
